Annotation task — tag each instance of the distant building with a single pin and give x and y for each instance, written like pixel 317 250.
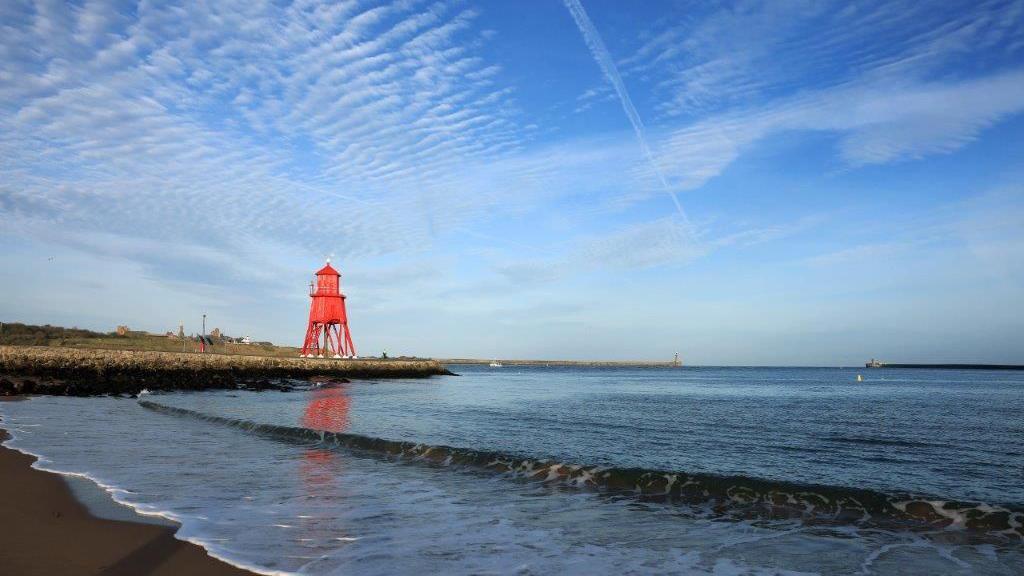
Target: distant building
pixel 245 340
pixel 215 334
pixel 122 330
pixel 171 335
pixel 181 330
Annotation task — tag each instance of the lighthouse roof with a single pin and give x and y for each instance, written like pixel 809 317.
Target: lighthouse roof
pixel 327 269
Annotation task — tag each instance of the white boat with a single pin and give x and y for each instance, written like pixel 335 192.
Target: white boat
pixel 495 364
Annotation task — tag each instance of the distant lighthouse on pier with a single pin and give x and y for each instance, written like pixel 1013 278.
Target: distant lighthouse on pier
pixel 327 317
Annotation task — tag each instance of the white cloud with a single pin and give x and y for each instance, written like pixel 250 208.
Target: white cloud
pixel 242 123
pixel 875 123
pixel 885 79
pixel 661 242
pixel 716 57
pixel 871 255
pixel 665 242
pixel 974 241
pixel 991 228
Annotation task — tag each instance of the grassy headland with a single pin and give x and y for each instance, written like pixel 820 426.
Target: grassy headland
pixel 17 334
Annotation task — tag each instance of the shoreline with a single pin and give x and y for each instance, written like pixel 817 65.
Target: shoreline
pixel 56 533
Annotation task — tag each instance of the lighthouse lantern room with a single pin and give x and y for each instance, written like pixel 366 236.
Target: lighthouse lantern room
pixel 327 318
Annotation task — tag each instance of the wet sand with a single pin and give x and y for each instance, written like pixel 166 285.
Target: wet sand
pixel 44 530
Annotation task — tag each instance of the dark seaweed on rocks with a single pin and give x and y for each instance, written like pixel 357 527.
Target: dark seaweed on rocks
pixel 80 372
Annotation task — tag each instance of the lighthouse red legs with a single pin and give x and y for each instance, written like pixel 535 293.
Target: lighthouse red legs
pixel 311 346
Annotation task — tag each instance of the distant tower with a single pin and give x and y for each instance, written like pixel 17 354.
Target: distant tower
pixel 676 361
pixel 327 316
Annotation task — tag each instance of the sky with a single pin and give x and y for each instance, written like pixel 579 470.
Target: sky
pixel 744 183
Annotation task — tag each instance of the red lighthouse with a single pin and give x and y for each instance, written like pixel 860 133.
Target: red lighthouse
pixel 327 315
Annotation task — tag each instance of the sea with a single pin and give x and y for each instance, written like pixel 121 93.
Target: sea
pixel 567 470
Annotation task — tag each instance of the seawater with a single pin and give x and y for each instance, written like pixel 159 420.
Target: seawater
pixel 500 470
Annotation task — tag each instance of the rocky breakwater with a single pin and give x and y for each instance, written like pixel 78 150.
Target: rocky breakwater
pixel 83 372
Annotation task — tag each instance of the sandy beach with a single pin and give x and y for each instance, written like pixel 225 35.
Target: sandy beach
pixel 46 531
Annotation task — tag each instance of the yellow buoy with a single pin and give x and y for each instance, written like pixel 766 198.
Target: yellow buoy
pixel 860 378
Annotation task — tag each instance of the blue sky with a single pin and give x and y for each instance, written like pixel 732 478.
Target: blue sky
pixel 501 179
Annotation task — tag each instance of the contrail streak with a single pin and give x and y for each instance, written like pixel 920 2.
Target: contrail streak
pixel 607 64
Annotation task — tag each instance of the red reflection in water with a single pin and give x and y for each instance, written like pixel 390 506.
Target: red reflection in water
pixel 320 468
pixel 328 410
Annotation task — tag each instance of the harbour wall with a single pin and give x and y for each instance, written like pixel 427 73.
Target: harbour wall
pixel 85 372
pixel 576 363
pixel 948 366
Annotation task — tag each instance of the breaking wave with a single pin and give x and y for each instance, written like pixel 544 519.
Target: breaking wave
pixel 736 496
